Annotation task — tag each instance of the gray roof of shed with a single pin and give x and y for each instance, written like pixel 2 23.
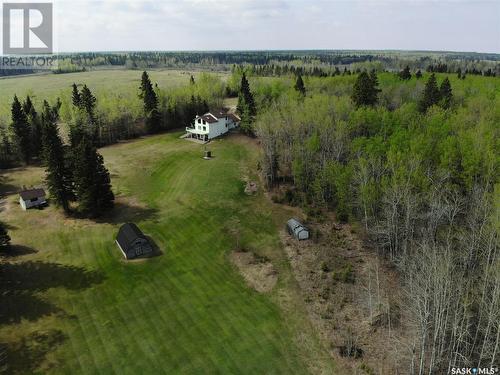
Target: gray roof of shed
pixel 26 195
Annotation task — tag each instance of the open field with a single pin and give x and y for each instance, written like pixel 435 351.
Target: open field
pixel 73 305
pixel 102 83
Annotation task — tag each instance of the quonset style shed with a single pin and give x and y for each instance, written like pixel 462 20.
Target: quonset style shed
pixel 132 242
pixel 296 229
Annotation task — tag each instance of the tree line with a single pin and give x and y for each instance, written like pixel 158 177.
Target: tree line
pixel 422 178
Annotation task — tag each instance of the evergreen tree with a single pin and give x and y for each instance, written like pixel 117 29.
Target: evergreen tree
pixel 246 106
pixel 192 109
pixel 191 80
pixel 204 107
pixel 430 95
pixel 148 95
pixel 88 103
pixel 365 91
pixel 92 180
pixel 86 117
pixel 5 151
pixel 28 105
pixel 35 127
pixel 4 238
pixel 374 90
pixel 76 97
pixel 299 85
pixel 445 93
pixel 57 174
pixel 459 73
pixel 405 74
pixel 418 74
pixel 21 130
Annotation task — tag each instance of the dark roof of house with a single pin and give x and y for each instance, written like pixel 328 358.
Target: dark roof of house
pixel 234 117
pixel 127 234
pixel 214 116
pixel 26 195
pixel 219 113
pixel 209 118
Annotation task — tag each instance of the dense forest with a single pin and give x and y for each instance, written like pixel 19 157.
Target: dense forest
pixel 416 161
pixel 316 62
pixel 412 154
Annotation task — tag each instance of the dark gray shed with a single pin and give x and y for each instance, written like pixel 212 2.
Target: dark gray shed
pixel 132 242
pixel 297 229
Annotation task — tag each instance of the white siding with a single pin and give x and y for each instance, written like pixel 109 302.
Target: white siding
pixel 28 204
pixel 214 129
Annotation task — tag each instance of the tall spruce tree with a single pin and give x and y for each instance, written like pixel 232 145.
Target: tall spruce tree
pixel 35 125
pixel 85 119
pixel 246 106
pixel 299 85
pixel 374 90
pixel 6 157
pixel 88 103
pixel 445 93
pixel 191 80
pixel 365 90
pixel 58 176
pixel 21 130
pixel 4 238
pixel 405 74
pixel 92 180
pixel 150 99
pixel 75 96
pixel 430 96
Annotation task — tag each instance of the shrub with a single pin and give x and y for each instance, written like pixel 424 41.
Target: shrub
pixel 345 275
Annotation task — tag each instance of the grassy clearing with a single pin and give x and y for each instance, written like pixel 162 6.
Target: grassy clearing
pixel 74 306
pixel 103 83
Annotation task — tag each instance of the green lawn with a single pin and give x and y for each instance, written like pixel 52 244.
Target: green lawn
pixel 73 305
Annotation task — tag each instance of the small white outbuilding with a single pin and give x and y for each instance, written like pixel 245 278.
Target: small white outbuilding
pixel 32 198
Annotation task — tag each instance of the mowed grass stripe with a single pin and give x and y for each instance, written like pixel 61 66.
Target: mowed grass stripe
pixel 187 311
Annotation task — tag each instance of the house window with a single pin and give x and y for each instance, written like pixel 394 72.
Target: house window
pixel 199 121
pixel 204 128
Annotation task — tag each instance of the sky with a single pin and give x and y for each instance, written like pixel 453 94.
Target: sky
pixel 126 25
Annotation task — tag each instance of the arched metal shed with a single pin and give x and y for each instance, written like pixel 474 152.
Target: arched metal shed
pixel 132 242
pixel 297 229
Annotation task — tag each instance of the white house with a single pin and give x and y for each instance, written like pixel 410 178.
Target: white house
pixel 32 198
pixel 212 124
